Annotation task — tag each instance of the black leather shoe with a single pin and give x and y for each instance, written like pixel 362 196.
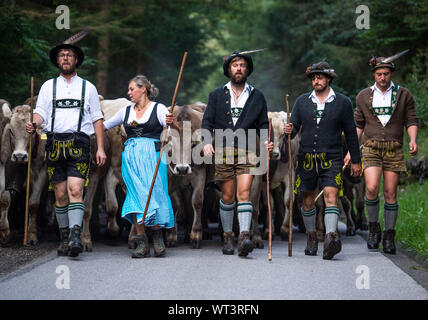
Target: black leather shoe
pixel 63 238
pixel 228 243
pixel 74 244
pixel 388 241
pixel 375 234
pixel 332 245
pixel 143 248
pixel 312 243
pixel 245 245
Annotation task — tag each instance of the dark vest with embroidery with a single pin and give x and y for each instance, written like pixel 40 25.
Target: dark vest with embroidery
pixel 150 129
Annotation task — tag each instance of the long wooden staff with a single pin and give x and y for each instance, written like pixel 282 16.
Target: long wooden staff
pixel 268 197
pixel 163 140
pixel 30 148
pixel 290 188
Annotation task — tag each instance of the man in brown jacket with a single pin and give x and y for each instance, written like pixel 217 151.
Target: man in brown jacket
pixel 381 113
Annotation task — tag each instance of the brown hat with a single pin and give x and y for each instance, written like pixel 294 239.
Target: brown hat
pixel 320 67
pixel 382 62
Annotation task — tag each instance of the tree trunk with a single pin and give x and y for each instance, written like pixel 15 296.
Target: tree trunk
pixel 103 53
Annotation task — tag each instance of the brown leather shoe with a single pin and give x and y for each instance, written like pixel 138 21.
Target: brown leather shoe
pixel 245 245
pixel 388 241
pixel 228 243
pixel 332 245
pixel 143 248
pixel 375 234
pixel 312 243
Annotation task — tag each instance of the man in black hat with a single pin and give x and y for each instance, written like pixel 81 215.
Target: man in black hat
pixel 70 109
pixel 322 115
pixel 236 107
pixel 381 113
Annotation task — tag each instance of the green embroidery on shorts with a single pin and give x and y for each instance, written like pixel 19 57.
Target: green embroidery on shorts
pixel 298 183
pixel 308 164
pixel 50 172
pixel 73 151
pixel 338 179
pixel 82 167
pixel 323 161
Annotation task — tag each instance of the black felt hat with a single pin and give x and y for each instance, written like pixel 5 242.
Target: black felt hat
pixel 235 54
pixel 69 44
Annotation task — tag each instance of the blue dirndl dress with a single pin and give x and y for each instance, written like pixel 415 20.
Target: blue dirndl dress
pixel 139 159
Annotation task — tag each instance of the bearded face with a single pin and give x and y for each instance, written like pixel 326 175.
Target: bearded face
pixel 320 82
pixel 238 70
pixel 67 61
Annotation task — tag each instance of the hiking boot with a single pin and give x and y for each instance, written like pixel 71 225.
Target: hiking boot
pixel 158 245
pixel 228 243
pixel 63 238
pixel 332 245
pixel 143 248
pixel 375 234
pixel 311 244
pixel 388 241
pixel 245 245
pixel 74 243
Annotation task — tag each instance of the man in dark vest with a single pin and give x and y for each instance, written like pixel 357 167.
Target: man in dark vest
pixel 70 109
pixel 322 115
pixel 238 108
pixel 381 113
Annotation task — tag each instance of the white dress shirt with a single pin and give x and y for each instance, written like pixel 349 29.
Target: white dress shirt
pixel 382 101
pixel 119 117
pixel 320 106
pixel 237 106
pixel 67 119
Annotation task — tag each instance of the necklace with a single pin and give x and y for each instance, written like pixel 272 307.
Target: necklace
pixel 143 107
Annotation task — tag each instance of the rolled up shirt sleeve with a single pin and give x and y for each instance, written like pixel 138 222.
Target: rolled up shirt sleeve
pixel 94 104
pixel 44 102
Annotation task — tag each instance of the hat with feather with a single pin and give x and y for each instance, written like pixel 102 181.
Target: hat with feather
pixel 382 62
pixel 69 44
pixel 320 67
pixel 244 55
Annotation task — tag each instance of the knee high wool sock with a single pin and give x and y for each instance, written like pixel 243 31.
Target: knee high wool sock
pixel 245 213
pixel 331 217
pixel 76 211
pixel 226 215
pixel 372 208
pixel 61 214
pixel 309 218
pixel 390 215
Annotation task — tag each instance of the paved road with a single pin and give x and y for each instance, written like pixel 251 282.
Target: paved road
pixel 109 273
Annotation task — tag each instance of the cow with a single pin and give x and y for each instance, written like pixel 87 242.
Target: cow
pixel 5 115
pixel 182 171
pixel 110 175
pixel 14 148
pixel 281 175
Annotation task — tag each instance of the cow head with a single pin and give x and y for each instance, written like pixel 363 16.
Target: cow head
pixel 15 137
pixel 184 138
pixel 277 133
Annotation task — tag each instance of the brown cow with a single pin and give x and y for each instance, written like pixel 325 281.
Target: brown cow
pixel 15 142
pixel 110 175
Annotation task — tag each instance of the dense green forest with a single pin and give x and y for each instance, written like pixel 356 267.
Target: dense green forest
pixel 150 37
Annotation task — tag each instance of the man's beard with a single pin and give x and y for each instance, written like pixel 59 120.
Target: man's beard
pixel 320 89
pixel 236 81
pixel 67 72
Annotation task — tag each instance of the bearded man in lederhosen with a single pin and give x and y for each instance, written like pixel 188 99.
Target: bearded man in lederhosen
pixel 69 108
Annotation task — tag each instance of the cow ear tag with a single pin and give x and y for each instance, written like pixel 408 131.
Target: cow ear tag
pixel 43 136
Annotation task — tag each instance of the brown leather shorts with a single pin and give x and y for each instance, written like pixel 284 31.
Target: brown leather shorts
pixel 232 163
pixel 385 154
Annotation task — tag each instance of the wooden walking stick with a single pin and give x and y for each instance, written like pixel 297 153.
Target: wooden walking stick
pixel 290 189
pixel 268 197
pixel 30 148
pixel 163 140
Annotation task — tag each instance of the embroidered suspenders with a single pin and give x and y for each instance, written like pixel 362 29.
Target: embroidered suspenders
pixel 68 103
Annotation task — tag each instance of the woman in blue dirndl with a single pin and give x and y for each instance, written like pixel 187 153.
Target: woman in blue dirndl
pixel 144 121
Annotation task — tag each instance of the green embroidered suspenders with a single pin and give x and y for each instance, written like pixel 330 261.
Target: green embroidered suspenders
pixel 68 103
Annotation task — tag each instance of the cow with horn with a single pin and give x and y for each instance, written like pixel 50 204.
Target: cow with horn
pixel 235 111
pixel 70 109
pixel 322 115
